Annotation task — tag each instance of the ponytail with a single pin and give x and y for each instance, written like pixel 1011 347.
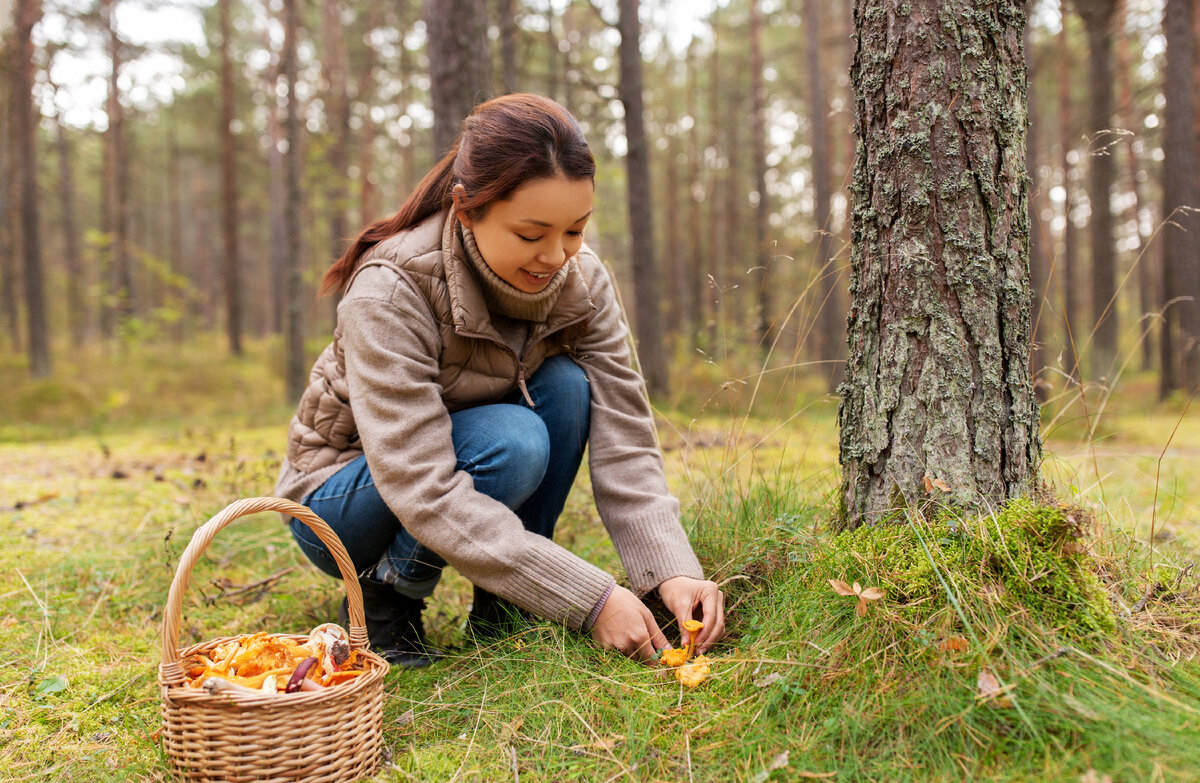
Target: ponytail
pixel 432 195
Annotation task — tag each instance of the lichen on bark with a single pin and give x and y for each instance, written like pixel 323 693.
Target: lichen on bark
pixel 938 380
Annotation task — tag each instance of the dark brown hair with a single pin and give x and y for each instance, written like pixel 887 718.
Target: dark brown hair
pixel 505 143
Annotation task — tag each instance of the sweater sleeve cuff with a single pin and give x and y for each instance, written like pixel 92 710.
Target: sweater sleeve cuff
pixel 599 607
pixel 654 548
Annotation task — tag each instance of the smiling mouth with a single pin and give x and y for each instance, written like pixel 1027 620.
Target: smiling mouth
pixel 541 276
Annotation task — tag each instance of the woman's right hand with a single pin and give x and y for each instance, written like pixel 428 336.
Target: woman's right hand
pixel 626 624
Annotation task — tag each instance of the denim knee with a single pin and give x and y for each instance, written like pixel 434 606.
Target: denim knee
pixel 524 453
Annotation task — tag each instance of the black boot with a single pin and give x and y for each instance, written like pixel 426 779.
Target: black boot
pixel 394 625
pixel 492 617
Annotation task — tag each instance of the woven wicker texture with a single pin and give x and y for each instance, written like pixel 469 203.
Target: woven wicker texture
pixel 322 736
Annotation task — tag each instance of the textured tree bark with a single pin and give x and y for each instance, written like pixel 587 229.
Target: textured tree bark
pixel 938 377
pixel 831 325
pixel 26 14
pixel 460 64
pixel 647 302
pixel 230 266
pixel 293 205
pixel 1181 191
pixel 1097 17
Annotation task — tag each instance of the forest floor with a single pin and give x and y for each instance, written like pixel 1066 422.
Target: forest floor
pixel 1076 656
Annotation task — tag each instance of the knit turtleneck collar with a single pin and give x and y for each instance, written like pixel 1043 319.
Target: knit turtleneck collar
pixel 504 298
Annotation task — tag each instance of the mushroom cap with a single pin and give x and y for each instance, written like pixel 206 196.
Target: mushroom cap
pixel 673 657
pixel 692 625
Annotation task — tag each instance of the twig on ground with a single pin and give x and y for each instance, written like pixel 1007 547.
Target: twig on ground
pixel 260 588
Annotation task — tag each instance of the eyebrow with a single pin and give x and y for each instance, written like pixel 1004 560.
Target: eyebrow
pixel 544 224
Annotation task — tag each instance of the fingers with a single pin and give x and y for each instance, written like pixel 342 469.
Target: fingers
pixel 713 604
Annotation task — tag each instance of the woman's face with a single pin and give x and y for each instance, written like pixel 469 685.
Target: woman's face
pixel 527 237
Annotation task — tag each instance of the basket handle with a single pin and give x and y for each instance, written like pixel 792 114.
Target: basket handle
pixel 172 669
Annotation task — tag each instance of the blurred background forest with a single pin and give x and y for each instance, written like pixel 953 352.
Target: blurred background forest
pixel 184 191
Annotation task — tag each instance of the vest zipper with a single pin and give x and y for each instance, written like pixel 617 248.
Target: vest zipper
pixel 519 376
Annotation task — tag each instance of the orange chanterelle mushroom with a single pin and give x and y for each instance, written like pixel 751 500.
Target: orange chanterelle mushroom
pixel 689 674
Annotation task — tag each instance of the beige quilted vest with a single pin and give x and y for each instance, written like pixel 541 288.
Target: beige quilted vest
pixel 477 367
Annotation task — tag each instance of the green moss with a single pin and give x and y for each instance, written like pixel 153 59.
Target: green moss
pixel 1028 559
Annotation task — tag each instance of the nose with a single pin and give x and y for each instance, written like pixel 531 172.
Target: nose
pixel 555 257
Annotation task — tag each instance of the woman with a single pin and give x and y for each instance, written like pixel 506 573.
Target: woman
pixel 479 348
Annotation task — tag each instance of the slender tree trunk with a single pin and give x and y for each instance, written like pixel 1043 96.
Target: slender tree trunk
pixel 673 257
pixel 338 120
pixel 25 121
pixel 8 242
pixel 552 55
pixel 293 205
pixel 77 306
pixel 408 157
pixel 1098 17
pixel 175 257
pixel 641 226
pixel 1039 259
pixel 507 22
pixel 831 327
pixel 124 292
pixel 365 94
pixel 693 287
pixel 230 267
pixel 1073 330
pixel 762 208
pixel 938 380
pixel 714 274
pixel 460 64
pixel 1147 293
pixel 1181 190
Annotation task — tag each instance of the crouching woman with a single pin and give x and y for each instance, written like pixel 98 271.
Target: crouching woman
pixel 479 348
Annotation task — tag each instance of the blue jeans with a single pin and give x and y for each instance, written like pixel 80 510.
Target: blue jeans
pixel 526 458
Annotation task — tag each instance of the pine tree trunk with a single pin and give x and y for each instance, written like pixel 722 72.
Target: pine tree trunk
pixel 460 64
pixel 938 380
pixel 507 22
pixel 762 209
pixel 365 94
pixel 1181 190
pixel 8 242
pixel 831 326
pixel 338 119
pixel 647 315
pixel 293 206
pixel 77 306
pixel 230 266
pixel 1073 327
pixel 714 274
pixel 693 286
pixel 124 293
pixel 1098 16
pixel 1039 259
pixel 25 117
pixel 1142 253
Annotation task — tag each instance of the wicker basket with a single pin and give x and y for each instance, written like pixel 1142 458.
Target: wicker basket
pixel 330 735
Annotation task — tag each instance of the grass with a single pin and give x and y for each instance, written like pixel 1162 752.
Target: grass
pixel 1091 632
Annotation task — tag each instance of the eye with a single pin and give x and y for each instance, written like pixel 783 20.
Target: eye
pixel 528 239
pixel 575 233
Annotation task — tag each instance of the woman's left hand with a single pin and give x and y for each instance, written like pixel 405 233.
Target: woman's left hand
pixel 683 595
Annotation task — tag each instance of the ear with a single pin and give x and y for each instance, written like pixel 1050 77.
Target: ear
pixel 458 194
